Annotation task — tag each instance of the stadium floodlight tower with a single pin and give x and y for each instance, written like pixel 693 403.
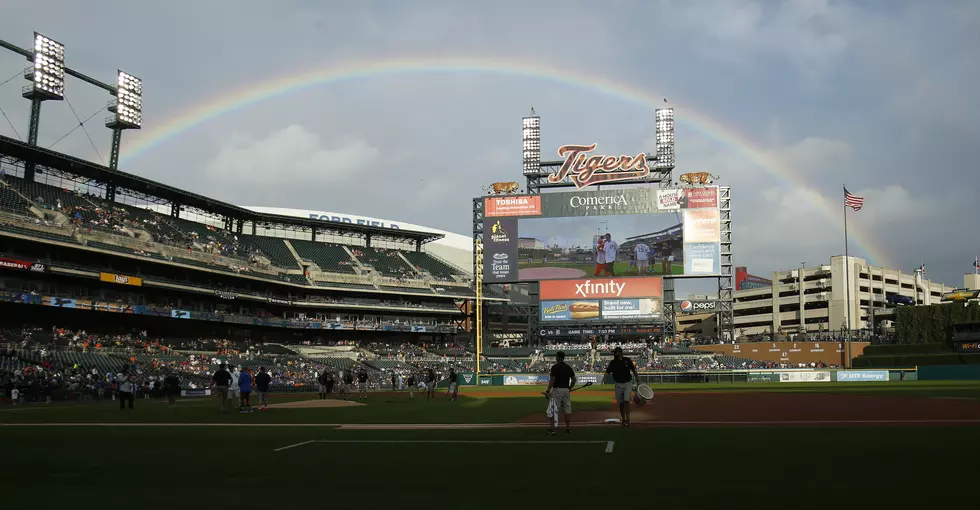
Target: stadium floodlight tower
pixel 47 77
pixel 531 136
pixel 665 141
pixel 128 110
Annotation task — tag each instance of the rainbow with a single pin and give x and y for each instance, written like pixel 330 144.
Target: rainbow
pixel 249 95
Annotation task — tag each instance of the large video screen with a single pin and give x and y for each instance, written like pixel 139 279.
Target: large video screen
pixel 638 232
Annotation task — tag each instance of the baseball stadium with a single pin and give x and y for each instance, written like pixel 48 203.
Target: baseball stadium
pixel 161 347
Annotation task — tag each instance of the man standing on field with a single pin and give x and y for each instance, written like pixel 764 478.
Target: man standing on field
pixel 262 380
pixel 624 372
pixel 559 391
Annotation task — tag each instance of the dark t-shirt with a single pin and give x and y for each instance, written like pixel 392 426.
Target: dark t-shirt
pixel 262 380
pixel 563 375
pixel 430 376
pixel 171 383
pixel 621 369
pixel 222 378
pixel 362 377
pixel 348 378
pixel 453 377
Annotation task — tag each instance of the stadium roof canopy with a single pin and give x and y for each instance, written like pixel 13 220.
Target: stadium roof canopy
pixel 92 171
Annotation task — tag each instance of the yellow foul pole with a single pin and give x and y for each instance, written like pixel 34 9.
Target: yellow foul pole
pixel 479 305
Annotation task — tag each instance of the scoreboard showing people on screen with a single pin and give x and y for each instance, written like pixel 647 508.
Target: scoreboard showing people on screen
pixel 625 233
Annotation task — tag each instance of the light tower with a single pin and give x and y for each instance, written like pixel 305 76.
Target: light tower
pixel 128 110
pixel 531 137
pixel 47 77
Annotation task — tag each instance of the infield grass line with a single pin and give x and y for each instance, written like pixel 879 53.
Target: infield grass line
pixel 291 446
pixel 609 444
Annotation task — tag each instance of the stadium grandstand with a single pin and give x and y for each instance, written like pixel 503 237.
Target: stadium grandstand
pixel 58 363
pixel 81 236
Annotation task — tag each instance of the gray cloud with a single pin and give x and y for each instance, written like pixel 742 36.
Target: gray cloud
pixel 824 92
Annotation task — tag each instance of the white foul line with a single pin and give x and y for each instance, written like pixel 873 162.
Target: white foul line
pixel 609 444
pixel 291 446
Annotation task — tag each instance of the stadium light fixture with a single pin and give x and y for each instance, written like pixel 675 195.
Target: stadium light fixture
pixel 665 138
pixel 531 136
pixel 47 75
pixel 128 104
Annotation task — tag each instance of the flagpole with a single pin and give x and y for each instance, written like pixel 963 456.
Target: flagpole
pixel 847 285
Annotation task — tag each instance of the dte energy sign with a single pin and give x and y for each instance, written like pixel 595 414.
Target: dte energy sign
pixel 698 306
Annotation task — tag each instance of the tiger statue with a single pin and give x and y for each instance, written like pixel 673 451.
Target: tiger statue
pixel 697 178
pixel 499 188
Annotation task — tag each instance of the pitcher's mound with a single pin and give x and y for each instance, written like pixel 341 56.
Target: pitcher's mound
pixel 315 404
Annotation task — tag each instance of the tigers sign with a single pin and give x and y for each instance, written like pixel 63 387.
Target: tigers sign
pixel 584 170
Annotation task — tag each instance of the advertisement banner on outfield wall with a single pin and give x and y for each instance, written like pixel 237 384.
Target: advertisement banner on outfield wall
pixel 466 379
pixel 486 380
pixel 763 377
pixel 587 378
pixel 862 375
pixel 526 380
pixel 805 376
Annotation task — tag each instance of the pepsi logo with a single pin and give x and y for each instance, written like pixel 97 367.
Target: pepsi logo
pixel 699 306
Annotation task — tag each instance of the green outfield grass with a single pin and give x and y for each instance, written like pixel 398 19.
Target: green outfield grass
pixel 738 467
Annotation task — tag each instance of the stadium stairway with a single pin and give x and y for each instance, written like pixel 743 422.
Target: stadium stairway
pixel 357 262
pixel 289 246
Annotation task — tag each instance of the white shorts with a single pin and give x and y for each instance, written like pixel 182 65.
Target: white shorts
pixel 623 392
pixel 361 387
pixel 562 398
pixel 452 387
pixel 234 394
pixel 430 386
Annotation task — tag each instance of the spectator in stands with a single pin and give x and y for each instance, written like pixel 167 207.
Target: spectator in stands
pixel 262 380
pixel 221 382
pixel 126 383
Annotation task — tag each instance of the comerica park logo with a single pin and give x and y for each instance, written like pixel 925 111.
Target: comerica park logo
pixel 698 306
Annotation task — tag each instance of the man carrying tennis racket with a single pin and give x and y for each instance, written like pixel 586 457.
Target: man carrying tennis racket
pixel 623 371
pixel 559 391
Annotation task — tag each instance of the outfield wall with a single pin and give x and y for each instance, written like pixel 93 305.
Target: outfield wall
pixel 788 376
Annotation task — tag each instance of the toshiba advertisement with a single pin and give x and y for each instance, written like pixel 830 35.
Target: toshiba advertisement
pixel 602 299
pixel 626 233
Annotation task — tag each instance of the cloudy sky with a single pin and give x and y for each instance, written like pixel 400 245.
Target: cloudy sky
pixel 785 101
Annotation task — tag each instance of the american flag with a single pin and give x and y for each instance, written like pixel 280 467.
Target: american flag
pixel 976 263
pixel 853 201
